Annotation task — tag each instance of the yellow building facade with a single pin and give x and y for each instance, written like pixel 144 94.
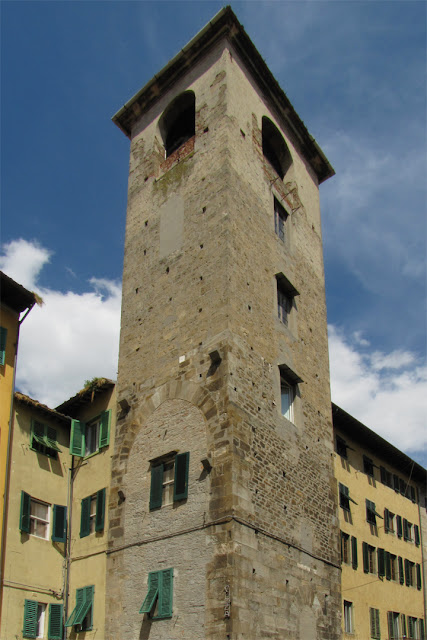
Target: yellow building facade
pixel 381 534
pixel 56 542
pixel 16 303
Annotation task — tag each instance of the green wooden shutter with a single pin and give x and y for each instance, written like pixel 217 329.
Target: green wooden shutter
pixel 50 439
pixel 399 526
pixel 401 574
pixel 390 625
pixel 88 593
pixel 418 577
pixel 180 487
pixel 37 434
pixel 381 562
pixel 55 622
pixel 3 338
pixel 354 552
pixel 153 592
pixel 407 573
pixel 387 565
pixel 416 535
pixel 24 519
pixel 85 518
pixel 100 510
pixel 77 445
pixel 374 616
pixel 166 593
pixel 104 429
pixel 30 619
pixel 386 520
pixel 365 557
pixel 75 614
pixel 59 532
pixel 421 624
pixel 156 489
pixel 405 529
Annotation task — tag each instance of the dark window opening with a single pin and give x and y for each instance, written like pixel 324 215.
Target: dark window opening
pixel 274 148
pixel 178 122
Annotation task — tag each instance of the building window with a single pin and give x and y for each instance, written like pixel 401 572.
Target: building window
pixel 348 617
pixel 409 573
pixel 169 480
pixel 341 447
pixel 89 438
pixel 345 497
pixel 368 466
pixel 345 548
pixel 43 439
pixel 158 601
pixel 289 381
pixel 374 620
pixel 371 514
pixel 386 477
pixel 417 535
pixel 34 619
pixel 92 513
pixel 274 148
pixel 399 528
pixel 407 530
pixel 390 566
pixel 178 122
pixel 280 217
pixel 82 614
pixel 393 625
pixel 389 519
pixel 3 339
pixel 412 627
pixel 286 293
pixel 369 558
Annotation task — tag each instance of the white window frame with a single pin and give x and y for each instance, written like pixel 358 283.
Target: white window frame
pixel 287 411
pixel 36 519
pixel 348 617
pixel 168 481
pixel 92 428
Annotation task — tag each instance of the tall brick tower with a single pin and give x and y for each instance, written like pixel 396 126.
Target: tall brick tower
pixel 223 507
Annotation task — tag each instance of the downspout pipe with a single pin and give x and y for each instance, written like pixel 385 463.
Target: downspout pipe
pixel 8 457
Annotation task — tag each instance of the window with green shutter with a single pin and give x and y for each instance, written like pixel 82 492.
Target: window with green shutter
pixel 158 601
pixel 345 498
pixel 393 625
pixel 416 535
pixel 29 629
pixel 381 563
pixel 401 573
pixel 354 552
pixel 399 526
pixel 92 516
pixel 3 339
pixel 88 438
pixel 169 479
pixel 371 514
pixel 419 581
pixel 55 630
pixel 24 517
pixel 59 528
pixel 369 564
pixel 82 614
pixel 43 439
pixel 374 619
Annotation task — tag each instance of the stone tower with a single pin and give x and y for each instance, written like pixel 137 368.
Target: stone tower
pixel 223 504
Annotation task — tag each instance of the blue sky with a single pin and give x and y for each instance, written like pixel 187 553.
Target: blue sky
pixel 356 74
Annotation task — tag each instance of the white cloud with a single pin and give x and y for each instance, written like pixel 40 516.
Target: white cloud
pixel 71 338
pixel 385 391
pixel 23 261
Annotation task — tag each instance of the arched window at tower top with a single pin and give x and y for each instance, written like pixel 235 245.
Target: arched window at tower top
pixel 178 122
pixel 274 148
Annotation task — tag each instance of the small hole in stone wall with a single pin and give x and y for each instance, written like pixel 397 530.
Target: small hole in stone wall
pixel 167 269
pixel 249 307
pixel 206 129
pixel 201 277
pixel 243 133
pixel 170 299
pixel 200 375
pixel 137 349
pixel 146 223
pixel 136 290
pixel 253 570
pixel 235 388
pixel 146 178
pixel 259 408
pixel 252 348
pixel 204 209
pixel 253 384
pixel 285 507
pixel 201 246
pixel 145 252
pixel 284 474
pixel 200 310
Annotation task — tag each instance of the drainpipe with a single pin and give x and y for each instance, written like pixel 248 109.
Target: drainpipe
pixel 8 458
pixel 68 544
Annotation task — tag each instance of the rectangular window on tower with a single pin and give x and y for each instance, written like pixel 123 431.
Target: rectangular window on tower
pixel 280 218
pixel 169 479
pixel 286 293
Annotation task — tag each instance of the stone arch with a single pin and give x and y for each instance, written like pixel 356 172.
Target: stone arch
pixel 275 149
pixel 178 122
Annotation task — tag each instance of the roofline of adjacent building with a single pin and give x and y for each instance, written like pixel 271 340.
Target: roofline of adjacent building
pixel 376 444
pixel 226 25
pixel 14 295
pixel 85 396
pixel 42 408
